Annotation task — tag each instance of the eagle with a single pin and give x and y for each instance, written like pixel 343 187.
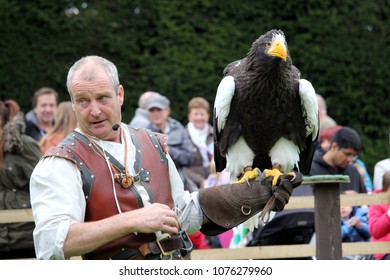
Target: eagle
pixel 265 116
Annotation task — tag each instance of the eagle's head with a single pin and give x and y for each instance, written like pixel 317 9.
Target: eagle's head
pixel 270 46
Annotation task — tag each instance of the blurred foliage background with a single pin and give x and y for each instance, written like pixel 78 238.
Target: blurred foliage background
pixel 179 48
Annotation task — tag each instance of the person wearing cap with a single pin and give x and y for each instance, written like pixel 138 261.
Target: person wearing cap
pixel 179 142
pixel 141 116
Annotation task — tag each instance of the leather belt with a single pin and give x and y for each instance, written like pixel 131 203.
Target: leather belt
pixel 165 245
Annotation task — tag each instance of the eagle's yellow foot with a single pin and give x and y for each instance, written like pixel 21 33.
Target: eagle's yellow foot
pixel 249 175
pixel 275 172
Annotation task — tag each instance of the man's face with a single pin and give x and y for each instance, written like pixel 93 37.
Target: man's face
pixel 45 108
pixel 342 156
pixel 97 104
pixel 158 117
pixel 199 117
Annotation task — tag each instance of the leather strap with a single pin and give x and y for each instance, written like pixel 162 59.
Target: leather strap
pixel 164 246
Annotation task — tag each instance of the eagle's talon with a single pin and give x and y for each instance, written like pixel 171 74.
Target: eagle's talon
pixel 248 175
pixel 294 176
pixel 276 173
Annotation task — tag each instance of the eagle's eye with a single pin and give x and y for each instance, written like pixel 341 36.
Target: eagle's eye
pixel 268 44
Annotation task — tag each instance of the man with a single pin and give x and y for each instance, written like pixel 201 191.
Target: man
pixel 141 116
pixel 109 191
pixel 40 119
pixel 180 146
pixel 338 159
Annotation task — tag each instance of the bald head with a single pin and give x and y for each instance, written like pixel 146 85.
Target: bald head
pixel 321 105
pixel 88 69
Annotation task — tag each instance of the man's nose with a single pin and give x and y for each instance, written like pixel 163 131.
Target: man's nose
pixel 95 109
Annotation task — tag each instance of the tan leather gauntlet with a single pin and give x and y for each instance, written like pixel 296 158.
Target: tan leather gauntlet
pixel 227 206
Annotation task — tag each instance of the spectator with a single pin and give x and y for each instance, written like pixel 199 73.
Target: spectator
pixel 19 154
pixel 354 227
pixel 325 120
pixel 179 142
pixel 326 137
pixel 339 157
pixel 380 168
pixel 201 135
pixel 325 140
pixel 366 178
pixel 141 116
pixel 379 219
pixel 109 191
pixel 40 119
pixel 65 122
pixel 354 223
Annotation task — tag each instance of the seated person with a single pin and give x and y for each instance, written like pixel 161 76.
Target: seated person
pixel 354 224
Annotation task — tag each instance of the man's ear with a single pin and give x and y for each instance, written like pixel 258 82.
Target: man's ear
pixel 333 146
pixel 121 94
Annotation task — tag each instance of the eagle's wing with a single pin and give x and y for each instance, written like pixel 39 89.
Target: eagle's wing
pixel 310 113
pixel 225 93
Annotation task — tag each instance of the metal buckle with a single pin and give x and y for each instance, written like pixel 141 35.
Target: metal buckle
pixel 187 243
pixel 163 236
pixel 137 178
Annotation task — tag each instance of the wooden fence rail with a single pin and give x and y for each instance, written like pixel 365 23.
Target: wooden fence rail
pixel 326 203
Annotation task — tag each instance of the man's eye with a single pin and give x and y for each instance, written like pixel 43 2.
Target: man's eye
pixel 82 102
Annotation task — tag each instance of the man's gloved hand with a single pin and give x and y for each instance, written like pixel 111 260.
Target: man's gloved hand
pixel 229 205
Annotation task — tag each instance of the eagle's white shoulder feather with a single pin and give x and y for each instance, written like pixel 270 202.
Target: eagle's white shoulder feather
pixel 310 107
pixel 225 93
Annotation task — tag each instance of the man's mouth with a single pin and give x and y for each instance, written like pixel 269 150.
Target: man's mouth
pixel 98 122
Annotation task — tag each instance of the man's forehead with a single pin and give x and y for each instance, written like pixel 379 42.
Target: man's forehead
pixel 349 151
pixel 89 72
pixel 46 98
pixel 92 81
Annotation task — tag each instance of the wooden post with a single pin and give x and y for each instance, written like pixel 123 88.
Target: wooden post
pixel 327 221
pixel 327 218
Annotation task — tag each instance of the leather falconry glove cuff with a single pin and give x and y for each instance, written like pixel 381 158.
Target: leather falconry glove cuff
pixel 227 206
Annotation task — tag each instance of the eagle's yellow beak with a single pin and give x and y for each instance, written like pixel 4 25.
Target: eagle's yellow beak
pixel 278 48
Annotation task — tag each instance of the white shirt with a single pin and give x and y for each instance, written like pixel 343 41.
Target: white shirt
pixel 58 201
pixel 380 168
